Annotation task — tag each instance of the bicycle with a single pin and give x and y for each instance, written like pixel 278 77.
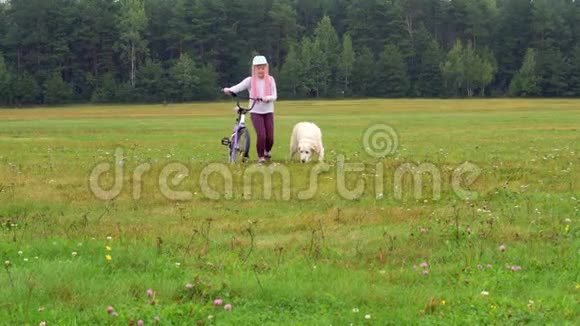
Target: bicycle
pixel 239 142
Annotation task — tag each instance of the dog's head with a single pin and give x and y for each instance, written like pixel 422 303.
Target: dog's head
pixel 306 148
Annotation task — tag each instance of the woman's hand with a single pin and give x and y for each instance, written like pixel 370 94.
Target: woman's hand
pixel 227 91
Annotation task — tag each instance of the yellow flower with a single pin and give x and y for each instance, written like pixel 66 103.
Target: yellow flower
pixel 567 228
pixel 108 248
pixel 443 302
pixel 577 286
pixel 492 306
pixel 108 257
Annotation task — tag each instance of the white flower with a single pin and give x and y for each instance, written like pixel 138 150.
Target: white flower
pixel 109 238
pixel 36 257
pixel 210 317
pixel 484 293
pixel 25 259
pixel 568 220
pixel 354 309
pixel 74 253
pixel 367 316
pixel 177 264
pixel 7 263
pixel 20 253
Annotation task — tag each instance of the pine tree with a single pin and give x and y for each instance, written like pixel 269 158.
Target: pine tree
pixel 56 90
pixel 291 74
pixel 108 91
pixel 150 82
pixel 327 44
pixel 574 81
pixel 429 81
pixel 185 79
pixel 392 79
pixel 364 76
pixel 208 80
pixel 5 82
pixel 552 70
pixel 25 90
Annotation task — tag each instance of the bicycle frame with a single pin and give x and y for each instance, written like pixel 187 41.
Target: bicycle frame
pixel 240 124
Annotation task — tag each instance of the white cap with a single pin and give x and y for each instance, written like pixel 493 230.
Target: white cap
pixel 259 60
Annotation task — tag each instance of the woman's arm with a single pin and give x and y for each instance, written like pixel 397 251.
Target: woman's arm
pixel 274 96
pixel 242 86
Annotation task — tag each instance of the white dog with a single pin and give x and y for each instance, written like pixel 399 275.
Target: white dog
pixel 306 139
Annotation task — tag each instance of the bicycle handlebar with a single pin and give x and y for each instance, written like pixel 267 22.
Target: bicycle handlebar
pixel 238 98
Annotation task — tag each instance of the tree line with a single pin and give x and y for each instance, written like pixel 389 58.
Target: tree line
pixel 103 51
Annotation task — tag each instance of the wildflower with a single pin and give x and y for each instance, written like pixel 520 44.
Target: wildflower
pixel 218 302
pixel 42 323
pixel 516 268
pixel 108 257
pixel 502 248
pixel 425 272
pixel 108 248
pixel 74 254
pixel 189 286
pixel 41 309
pixel 414 266
pixel 355 310
pixel 157 319
pixel 577 286
pixel 424 264
pixel 115 314
pixel 149 293
pixel 492 306
pixel 567 228
pixel 110 309
pixel 424 230
pixel 479 266
pixel 140 323
pixel 36 257
pixel 109 238
pixel 210 317
pixel 177 265
pixel 567 220
pixel 484 293
pixel 20 253
pixel 489 265
pixel 443 302
pixel 7 264
pixel 530 304
pixel 367 316
pixel 228 307
pixel 25 259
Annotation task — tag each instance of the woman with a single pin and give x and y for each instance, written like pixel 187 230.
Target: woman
pixel 260 85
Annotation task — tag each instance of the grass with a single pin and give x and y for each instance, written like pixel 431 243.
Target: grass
pixel 327 260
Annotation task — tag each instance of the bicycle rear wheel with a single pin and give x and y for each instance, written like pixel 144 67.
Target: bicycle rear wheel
pixel 241 152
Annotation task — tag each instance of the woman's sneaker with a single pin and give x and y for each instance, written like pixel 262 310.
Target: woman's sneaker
pixel 261 160
pixel 268 157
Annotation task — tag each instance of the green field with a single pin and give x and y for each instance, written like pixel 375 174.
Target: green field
pixel 326 260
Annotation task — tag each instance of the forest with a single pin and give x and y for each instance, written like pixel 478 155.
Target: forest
pixel 167 51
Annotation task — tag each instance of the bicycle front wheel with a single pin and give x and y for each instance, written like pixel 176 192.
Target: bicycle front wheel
pixel 241 151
